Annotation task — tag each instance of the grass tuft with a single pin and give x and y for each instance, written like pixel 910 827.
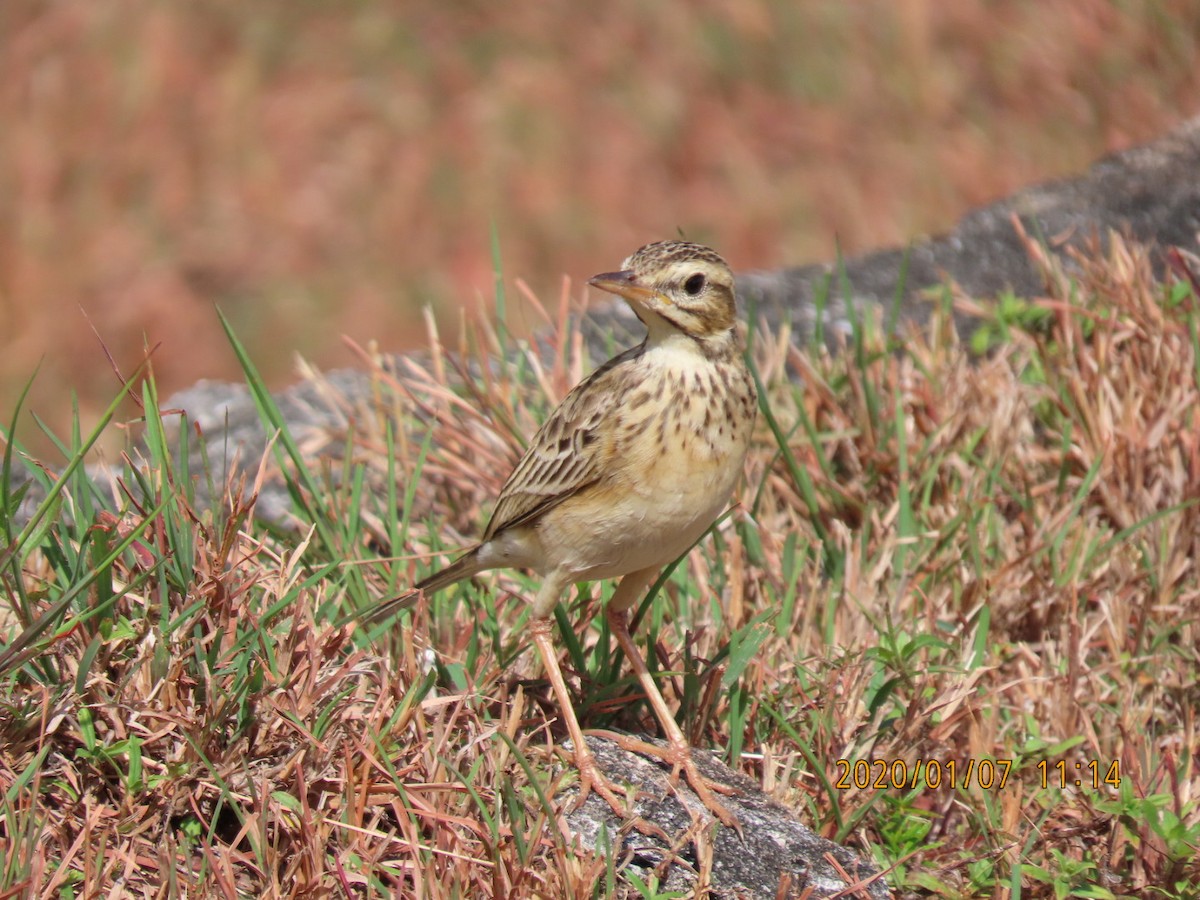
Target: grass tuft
pixel 953 621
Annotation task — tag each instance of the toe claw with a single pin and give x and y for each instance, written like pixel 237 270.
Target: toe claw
pixel 591 779
pixel 679 756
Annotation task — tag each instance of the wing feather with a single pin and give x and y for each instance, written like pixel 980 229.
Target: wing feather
pixel 569 451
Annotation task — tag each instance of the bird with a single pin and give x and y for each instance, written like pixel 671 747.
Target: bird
pixel 627 473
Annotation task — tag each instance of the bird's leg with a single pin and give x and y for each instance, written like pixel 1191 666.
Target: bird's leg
pixel 678 753
pixel 590 776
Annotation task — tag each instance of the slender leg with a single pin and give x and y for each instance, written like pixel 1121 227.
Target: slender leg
pixel 679 754
pixel 590 776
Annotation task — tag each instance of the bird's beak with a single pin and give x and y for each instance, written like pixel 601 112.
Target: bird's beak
pixel 623 284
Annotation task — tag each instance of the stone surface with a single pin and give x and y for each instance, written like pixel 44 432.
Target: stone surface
pixel 775 856
pixel 1151 193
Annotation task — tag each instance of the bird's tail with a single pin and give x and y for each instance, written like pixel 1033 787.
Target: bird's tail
pixel 461 569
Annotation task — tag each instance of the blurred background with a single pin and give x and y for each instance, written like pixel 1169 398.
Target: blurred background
pixel 320 169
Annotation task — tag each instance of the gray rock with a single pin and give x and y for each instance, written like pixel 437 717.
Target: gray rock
pixel 1150 193
pixel 774 856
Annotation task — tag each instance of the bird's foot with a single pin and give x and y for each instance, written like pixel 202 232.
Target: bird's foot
pixel 592 779
pixel 679 756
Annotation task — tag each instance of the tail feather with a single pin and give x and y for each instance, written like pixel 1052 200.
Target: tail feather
pixel 459 570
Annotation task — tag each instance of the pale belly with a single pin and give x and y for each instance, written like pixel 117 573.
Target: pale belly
pixel 630 533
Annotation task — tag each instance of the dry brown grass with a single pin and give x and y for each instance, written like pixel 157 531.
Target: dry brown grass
pixel 997 562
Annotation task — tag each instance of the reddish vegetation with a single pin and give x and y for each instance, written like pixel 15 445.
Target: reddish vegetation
pixel 323 171
pixel 967 562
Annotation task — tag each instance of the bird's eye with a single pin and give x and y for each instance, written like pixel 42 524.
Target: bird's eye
pixel 694 285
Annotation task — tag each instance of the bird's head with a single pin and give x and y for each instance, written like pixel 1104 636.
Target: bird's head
pixel 688 286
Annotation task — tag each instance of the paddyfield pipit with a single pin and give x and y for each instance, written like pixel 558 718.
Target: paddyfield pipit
pixel 629 471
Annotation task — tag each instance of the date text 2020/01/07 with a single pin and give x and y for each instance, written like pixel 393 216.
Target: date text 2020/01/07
pixel 987 774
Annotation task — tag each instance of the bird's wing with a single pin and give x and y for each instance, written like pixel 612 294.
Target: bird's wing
pixel 570 450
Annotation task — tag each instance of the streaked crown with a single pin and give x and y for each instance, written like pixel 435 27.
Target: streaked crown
pixel 665 254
